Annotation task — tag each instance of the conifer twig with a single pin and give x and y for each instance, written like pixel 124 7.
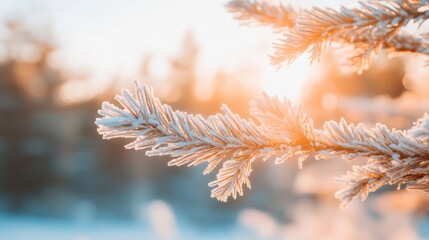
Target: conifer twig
pixel 369 28
pixel 375 25
pixel 189 139
pixel 284 130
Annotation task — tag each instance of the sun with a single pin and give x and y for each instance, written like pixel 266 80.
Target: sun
pixel 288 80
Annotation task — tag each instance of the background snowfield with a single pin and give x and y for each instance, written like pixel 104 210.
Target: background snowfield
pixel 30 227
pixel 36 228
pixel 59 60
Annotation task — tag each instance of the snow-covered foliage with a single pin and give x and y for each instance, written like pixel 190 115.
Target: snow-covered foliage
pixel 283 129
pixel 370 27
pixel 191 140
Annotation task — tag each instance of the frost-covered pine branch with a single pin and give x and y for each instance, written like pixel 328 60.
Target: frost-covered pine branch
pixel 374 25
pixel 394 156
pixel 284 130
pixel 189 139
pixel 371 26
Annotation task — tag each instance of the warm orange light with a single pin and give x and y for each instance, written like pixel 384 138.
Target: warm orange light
pixel 329 101
pixel 202 92
pixel 288 80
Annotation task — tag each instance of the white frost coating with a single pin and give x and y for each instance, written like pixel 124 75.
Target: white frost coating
pixel 368 28
pixel 421 129
pixel 284 131
pixel 191 140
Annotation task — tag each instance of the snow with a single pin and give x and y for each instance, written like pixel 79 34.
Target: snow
pixel 25 227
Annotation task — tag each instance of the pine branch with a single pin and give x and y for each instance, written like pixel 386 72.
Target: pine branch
pixel 190 140
pixel 394 156
pixel 285 130
pixel 407 43
pixel 360 182
pixel 412 172
pixel 372 26
pixel 366 31
pixel 263 13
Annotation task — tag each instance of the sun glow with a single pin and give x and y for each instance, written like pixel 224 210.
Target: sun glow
pixel 288 80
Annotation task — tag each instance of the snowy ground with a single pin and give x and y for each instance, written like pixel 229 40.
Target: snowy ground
pixel 31 228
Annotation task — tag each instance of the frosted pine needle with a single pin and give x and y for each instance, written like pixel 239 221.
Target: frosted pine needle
pixel 256 12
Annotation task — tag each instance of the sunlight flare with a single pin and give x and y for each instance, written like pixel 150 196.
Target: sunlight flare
pixel 287 81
